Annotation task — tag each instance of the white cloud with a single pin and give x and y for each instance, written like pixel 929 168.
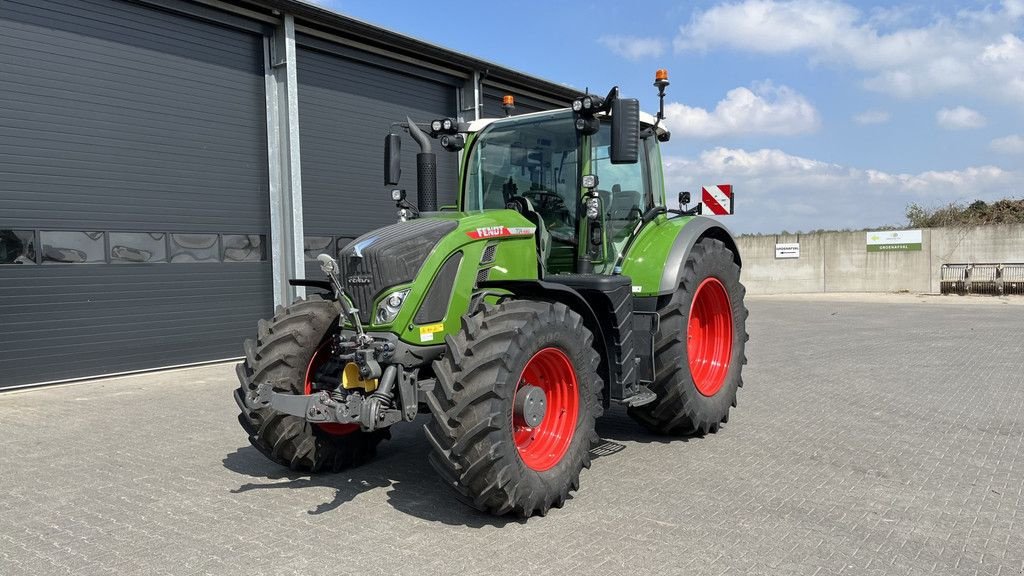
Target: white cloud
pixel 959 118
pixel 633 47
pixel 872 117
pixel 950 53
pixel 767 109
pixel 779 191
pixel 1012 144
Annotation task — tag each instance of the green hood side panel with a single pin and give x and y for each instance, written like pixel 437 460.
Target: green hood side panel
pixel 515 258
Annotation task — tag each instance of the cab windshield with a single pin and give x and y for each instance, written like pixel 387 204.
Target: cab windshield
pixel 535 158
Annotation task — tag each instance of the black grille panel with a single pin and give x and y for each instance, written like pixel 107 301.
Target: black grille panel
pixel 391 255
pixel 482 274
pixel 435 305
pixel 488 256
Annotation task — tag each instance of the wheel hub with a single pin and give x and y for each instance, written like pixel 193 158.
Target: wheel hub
pixel 530 405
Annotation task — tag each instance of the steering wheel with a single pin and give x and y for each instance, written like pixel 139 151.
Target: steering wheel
pixel 544 200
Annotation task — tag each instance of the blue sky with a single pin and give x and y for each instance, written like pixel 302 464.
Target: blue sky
pixel 822 114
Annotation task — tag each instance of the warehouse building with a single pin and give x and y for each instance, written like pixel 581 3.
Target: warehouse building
pixel 166 165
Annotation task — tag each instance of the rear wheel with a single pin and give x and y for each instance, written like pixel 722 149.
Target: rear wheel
pixel 293 352
pixel 514 407
pixel 699 348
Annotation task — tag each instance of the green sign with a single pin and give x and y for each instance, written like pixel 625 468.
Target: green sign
pixel 894 241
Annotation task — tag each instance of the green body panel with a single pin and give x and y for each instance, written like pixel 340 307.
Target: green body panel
pixel 515 259
pixel 648 254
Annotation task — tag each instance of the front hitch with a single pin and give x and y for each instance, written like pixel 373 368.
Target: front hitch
pixel 375 411
pixel 371 412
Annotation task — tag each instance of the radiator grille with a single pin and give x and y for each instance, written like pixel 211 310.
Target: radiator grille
pixel 386 257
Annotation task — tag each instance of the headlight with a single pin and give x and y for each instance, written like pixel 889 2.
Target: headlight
pixel 390 306
pixel 435 126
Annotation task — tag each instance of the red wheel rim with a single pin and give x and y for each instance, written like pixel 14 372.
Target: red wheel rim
pixel 709 336
pixel 319 358
pixel 542 447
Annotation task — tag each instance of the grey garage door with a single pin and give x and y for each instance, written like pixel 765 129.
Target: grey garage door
pixel 347 102
pixel 133 188
pixel 492 98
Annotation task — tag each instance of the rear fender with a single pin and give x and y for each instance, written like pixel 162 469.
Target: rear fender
pixel 656 257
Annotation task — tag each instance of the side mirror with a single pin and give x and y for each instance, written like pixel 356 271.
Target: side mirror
pixel 684 199
pixel 625 148
pixel 392 159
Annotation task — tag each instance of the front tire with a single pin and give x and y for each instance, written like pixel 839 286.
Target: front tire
pixel 483 445
pixel 699 347
pixel 292 352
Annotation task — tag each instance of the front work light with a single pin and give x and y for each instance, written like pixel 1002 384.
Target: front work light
pixel 390 306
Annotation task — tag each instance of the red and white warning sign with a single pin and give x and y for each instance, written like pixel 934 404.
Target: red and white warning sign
pixel 717 199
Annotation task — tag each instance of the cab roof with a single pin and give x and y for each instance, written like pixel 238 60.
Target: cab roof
pixel 478 125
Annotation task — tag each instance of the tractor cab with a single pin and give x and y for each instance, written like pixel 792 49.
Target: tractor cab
pixel 536 163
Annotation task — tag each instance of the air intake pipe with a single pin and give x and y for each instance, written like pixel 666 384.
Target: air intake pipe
pixel 426 170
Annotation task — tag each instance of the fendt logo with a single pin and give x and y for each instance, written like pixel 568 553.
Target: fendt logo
pixel 500 232
pixel 359 280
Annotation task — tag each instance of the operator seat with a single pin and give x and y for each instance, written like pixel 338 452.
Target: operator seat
pixel 543 238
pixel 623 212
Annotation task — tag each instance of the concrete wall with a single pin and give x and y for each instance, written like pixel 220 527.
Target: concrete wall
pixel 840 262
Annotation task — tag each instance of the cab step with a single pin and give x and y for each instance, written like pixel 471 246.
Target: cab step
pixel 643 396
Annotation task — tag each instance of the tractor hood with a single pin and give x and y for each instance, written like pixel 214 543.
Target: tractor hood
pixel 388 256
pixel 410 255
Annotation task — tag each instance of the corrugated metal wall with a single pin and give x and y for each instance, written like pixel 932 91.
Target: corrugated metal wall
pixel 134 163
pixel 524 104
pixel 134 202
pixel 347 102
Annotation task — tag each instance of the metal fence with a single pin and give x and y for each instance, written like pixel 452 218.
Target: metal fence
pixel 994 279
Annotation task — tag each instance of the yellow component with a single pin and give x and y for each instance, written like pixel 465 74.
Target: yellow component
pixel 427 332
pixel 350 379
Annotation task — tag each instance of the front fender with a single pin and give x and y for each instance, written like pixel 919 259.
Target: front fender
pixel 654 260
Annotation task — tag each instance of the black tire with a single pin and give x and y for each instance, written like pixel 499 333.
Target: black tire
pixel 281 353
pixel 471 429
pixel 681 409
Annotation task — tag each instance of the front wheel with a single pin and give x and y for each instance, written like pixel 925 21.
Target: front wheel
pixel 699 347
pixel 514 407
pixel 292 351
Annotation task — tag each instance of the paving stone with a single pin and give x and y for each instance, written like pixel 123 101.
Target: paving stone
pixel 870 438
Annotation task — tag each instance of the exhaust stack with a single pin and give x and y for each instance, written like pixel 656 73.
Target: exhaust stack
pixel 426 170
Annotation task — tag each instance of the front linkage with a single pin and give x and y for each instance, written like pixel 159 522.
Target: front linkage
pixel 375 411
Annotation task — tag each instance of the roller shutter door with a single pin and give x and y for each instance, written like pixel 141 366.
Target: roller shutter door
pixel 133 188
pixel 347 102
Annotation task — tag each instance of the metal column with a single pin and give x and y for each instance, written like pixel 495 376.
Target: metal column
pixel 470 89
pixel 286 231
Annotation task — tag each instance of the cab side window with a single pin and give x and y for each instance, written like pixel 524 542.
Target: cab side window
pixel 624 190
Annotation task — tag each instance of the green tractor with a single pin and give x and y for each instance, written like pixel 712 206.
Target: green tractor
pixel 560 285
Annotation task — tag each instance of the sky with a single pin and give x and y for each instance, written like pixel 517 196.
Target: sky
pixel 820 113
